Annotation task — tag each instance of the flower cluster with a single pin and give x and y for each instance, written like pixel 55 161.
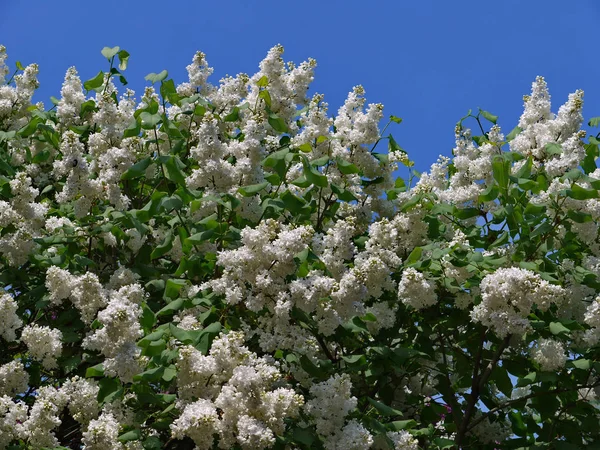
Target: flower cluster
pixel 233 394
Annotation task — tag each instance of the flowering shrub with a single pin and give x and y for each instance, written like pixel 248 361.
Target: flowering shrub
pixel 228 266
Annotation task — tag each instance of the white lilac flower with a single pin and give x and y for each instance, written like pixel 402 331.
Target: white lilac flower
pixel 43 344
pixel 9 320
pixel 549 354
pixel 415 290
pixel 13 378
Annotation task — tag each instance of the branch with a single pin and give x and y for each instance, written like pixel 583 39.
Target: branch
pixel 527 397
pixel 453 403
pixel 477 385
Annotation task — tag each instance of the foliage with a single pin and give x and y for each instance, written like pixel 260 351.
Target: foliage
pixel 227 266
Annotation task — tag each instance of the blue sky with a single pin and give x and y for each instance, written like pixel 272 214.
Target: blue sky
pixel 428 62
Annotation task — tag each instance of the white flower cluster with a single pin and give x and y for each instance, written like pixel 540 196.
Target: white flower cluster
pixel 508 295
pixel 116 340
pixel 488 431
pixel 9 320
pixel 44 418
pixel 592 318
pixel 102 434
pixel 331 402
pixel 44 344
pixel 82 394
pixel 403 440
pixel 25 215
pixel 13 379
pixel 14 100
pixel 549 354
pixel 239 396
pixel 85 291
pixel 12 417
pixel 541 128
pixel 415 290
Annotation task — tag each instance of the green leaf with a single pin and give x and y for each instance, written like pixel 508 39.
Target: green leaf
pixel 173 170
pixel 393 145
pixel 374 181
pixel 594 122
pixel 95 371
pixel 19 66
pixel 303 436
pixel 253 189
pixel 319 162
pixel 414 256
pixel 156 77
pixel 443 443
pixel 277 161
pixel 553 148
pixel 292 202
pixel 152 337
pixel 133 129
pixel 383 409
pixel 579 193
pixel 543 228
pixel 489 194
pixel 355 360
pixel 149 121
pixel 174 202
pixel 150 375
pixel 492 118
pixel 525 170
pixel 109 389
pixel 277 123
pixel 558 328
pixel 148 318
pixel 583 364
pixel 343 194
pixel 263 81
pixel 132 435
pixel 169 373
pixel 137 170
pixel 518 426
pixel 109 52
pixel 184 336
pixel 312 175
pixel 171 308
pixel 165 247
pixel 123 59
pixel 527 380
pixel 233 116
pixel 306 148
pixel 501 171
pixel 168 91
pixel 589 162
pixel 466 213
pixel 94 83
pixel 346 167
pixel 264 94
pixel 502 381
pixel 400 425
pixel 534 210
pixel 152 443
pixel 502 239
pixel 207 336
pixel 172 288
pixel 513 134
pixel 396 119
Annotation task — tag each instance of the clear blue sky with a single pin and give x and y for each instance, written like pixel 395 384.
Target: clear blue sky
pixel 426 61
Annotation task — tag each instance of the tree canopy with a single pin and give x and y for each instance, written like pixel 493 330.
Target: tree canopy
pixel 231 266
